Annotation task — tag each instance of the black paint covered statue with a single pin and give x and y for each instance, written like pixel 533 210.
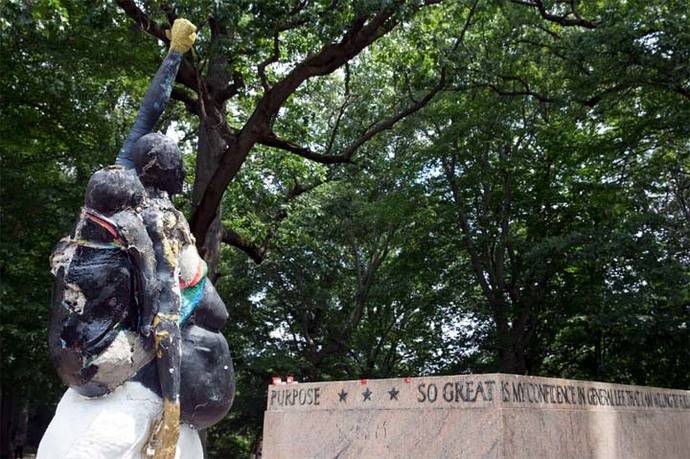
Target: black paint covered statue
pixel 135 323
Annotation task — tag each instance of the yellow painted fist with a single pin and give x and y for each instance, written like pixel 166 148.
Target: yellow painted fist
pixel 182 35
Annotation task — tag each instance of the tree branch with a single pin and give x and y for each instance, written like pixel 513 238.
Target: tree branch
pixel 268 61
pixel 366 277
pixel 231 89
pixel 170 13
pixel 235 239
pixel 147 25
pixel 341 112
pixel 187 73
pixel 218 78
pixel 272 140
pixel 190 102
pixel 571 18
pixel 362 31
pixel 477 265
pixel 258 251
pixel 295 19
pixel 507 93
pixel 389 122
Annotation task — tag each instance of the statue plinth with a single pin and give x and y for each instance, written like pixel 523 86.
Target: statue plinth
pixel 475 416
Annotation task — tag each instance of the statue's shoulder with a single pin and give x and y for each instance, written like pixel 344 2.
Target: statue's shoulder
pixel 153 208
pixel 127 218
pixel 157 210
pixel 132 228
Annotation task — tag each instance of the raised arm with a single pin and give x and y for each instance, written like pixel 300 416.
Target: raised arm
pixel 182 38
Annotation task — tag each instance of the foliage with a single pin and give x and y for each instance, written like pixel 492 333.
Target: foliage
pixel 531 216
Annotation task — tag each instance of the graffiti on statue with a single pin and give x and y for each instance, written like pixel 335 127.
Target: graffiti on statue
pixel 134 316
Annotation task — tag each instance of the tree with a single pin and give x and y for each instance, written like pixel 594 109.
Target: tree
pixel 238 58
pixel 512 142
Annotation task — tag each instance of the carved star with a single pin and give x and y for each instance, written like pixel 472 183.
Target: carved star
pixel 342 396
pixel 367 395
pixel 393 393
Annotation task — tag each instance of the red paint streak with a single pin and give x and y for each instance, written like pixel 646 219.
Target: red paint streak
pixel 197 276
pixel 105 225
pixel 363 381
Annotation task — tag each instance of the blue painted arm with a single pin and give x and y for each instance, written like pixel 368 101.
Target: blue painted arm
pixel 152 106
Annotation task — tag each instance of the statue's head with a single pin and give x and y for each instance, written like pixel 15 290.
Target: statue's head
pixel 112 189
pixel 158 162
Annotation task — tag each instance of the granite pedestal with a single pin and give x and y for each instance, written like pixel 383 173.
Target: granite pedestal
pixel 475 416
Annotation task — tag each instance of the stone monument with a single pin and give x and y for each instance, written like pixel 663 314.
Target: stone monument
pixel 475 416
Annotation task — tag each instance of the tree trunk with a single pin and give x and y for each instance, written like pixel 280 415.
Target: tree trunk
pixel 504 347
pixel 14 417
pixel 511 359
pixel 210 149
pixel 599 356
pixel 520 360
pixel 511 340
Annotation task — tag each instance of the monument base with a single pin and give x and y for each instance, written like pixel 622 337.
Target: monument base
pixel 115 426
pixel 475 416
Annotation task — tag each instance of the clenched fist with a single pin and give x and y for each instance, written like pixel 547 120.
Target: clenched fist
pixel 182 35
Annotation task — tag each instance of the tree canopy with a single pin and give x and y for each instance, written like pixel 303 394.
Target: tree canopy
pixel 381 188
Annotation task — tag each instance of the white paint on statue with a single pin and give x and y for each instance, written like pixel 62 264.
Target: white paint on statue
pixel 121 360
pixel 74 298
pixel 115 426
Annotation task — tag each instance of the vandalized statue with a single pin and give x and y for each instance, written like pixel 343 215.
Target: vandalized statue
pixel 135 324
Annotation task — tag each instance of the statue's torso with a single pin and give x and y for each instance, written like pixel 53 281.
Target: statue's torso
pixel 93 329
pixel 94 307
pixel 207 382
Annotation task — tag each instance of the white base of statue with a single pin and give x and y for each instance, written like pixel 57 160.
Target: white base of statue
pixel 115 426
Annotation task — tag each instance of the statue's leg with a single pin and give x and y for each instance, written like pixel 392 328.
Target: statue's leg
pixel 207 384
